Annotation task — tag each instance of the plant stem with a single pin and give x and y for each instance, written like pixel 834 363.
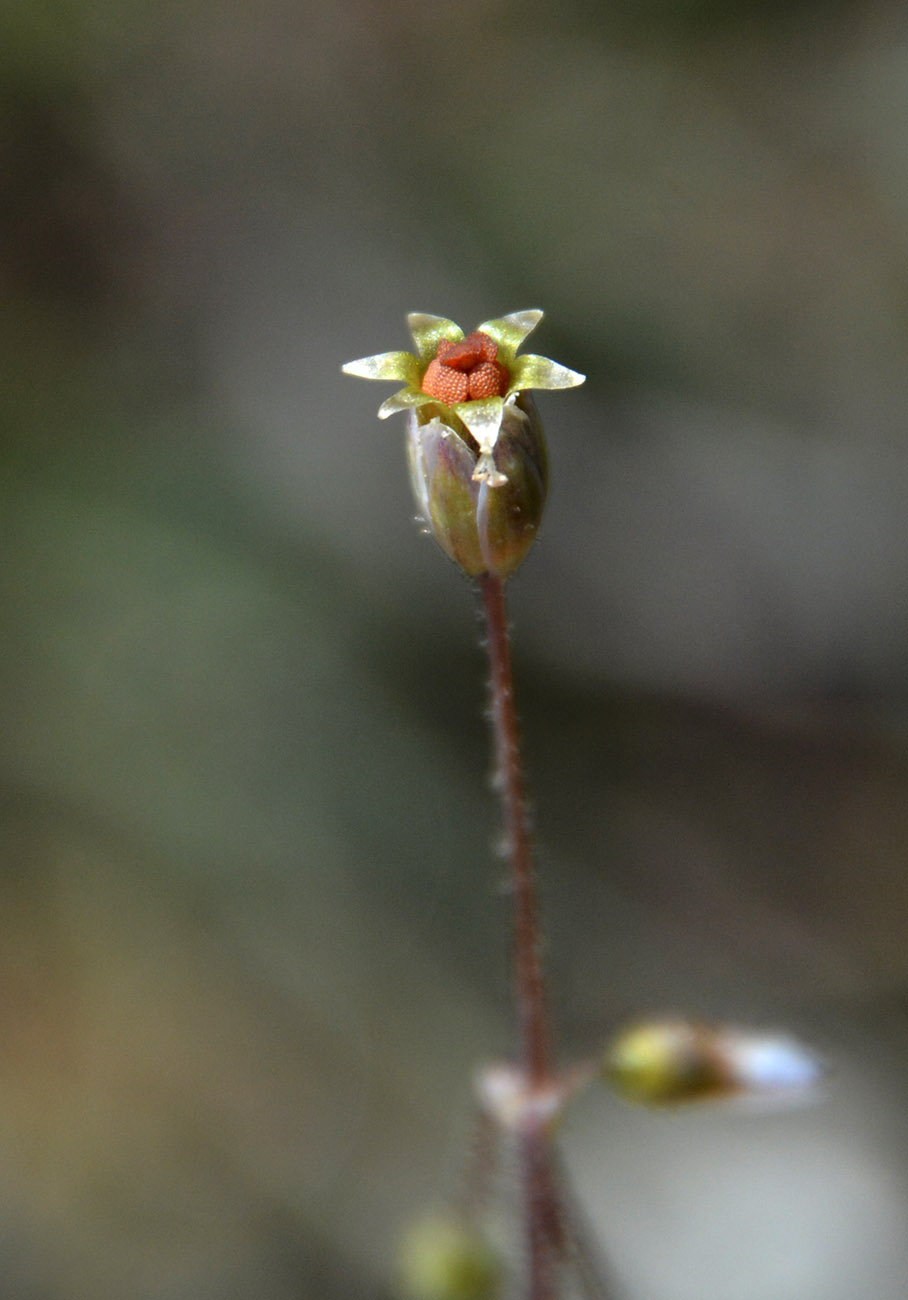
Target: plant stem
pixel 542 1206
pixel 532 1016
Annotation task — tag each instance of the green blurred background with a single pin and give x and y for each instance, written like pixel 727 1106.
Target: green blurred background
pixel 251 932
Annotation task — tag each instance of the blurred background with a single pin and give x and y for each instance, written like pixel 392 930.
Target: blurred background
pixel 252 937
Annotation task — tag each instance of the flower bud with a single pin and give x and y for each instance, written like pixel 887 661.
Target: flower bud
pixel 483 509
pixel 666 1062
pixel 442 1259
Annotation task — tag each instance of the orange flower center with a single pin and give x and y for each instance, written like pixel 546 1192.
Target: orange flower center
pixel 466 371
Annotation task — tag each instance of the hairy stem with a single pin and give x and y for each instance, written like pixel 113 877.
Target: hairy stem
pixel 532 1016
pixel 542 1207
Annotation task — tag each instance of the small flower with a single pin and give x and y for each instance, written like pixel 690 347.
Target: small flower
pixel 666 1062
pixel 468 383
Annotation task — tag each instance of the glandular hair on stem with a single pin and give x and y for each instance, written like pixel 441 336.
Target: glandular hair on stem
pixel 502 845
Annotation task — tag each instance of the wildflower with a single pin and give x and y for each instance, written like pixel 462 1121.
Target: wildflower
pixel 665 1062
pixel 475 443
pixel 467 383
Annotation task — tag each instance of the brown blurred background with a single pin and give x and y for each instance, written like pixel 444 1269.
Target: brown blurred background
pixel 251 933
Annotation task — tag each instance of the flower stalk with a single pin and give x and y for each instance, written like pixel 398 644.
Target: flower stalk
pixel 478 468
pixel 530 999
pixel 542 1211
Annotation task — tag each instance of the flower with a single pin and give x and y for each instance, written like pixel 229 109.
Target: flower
pixel 468 383
pixel 666 1062
pixel 474 440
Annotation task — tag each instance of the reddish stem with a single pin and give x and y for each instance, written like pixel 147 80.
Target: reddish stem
pixel 542 1205
pixel 532 1016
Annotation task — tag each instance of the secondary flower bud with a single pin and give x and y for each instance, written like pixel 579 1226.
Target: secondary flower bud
pixel 667 1062
pixel 442 1259
pixel 483 515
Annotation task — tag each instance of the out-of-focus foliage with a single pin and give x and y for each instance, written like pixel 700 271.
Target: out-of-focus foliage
pixel 250 937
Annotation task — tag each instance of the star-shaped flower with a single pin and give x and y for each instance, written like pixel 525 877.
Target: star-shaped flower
pixel 466 382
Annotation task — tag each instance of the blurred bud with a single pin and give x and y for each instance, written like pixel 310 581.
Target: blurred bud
pixel 515 1104
pixel 441 1259
pixel 484 509
pixel 666 1062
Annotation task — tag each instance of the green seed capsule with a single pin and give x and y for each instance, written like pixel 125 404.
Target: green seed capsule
pixel 485 524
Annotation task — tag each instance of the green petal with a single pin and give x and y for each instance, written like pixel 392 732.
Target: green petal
pixel 403 400
pixel 428 330
pixel 510 331
pixel 483 419
pixel 386 365
pixel 539 372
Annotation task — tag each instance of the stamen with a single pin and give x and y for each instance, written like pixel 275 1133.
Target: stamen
pixel 466 371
